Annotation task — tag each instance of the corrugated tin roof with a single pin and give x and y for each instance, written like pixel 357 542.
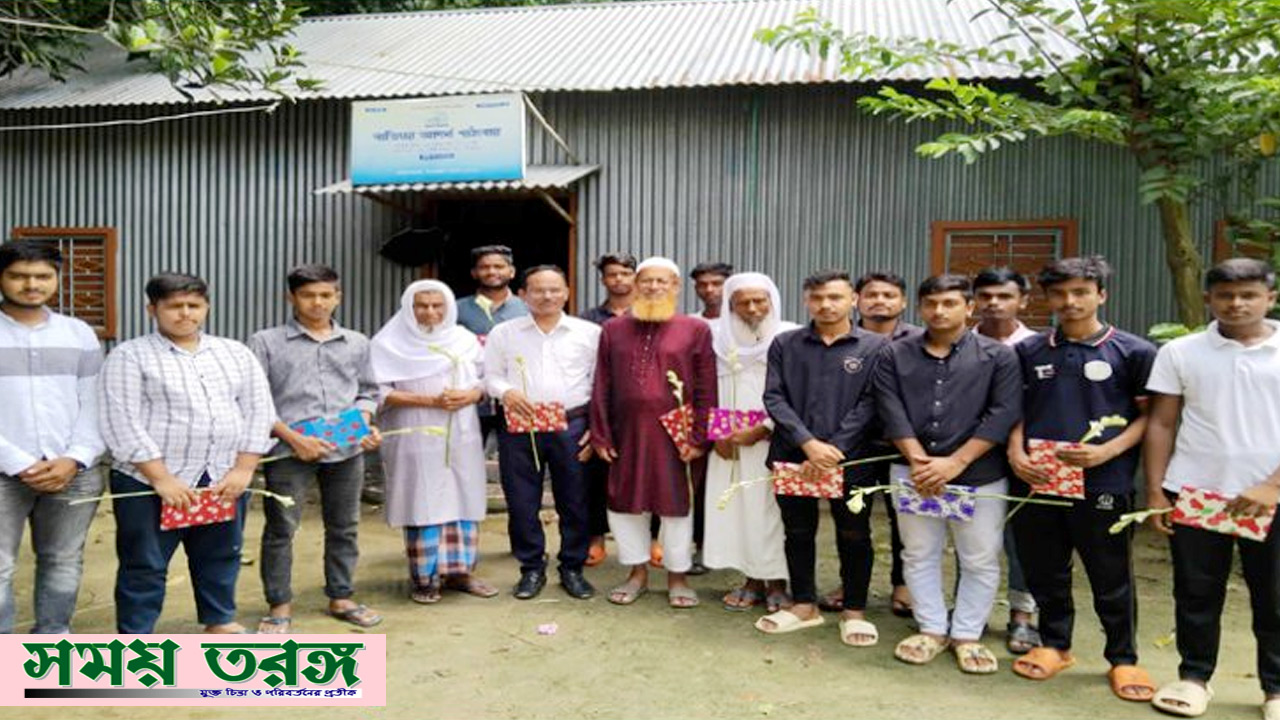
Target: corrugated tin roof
pixel 536 177
pixel 598 47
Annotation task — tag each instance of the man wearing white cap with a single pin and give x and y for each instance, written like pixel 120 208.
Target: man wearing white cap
pixel 647 359
pixel 745 532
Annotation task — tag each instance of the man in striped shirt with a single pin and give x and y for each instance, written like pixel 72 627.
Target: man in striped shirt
pixel 49 439
pixel 181 411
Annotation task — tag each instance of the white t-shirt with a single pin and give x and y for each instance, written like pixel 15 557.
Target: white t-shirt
pixel 1229 438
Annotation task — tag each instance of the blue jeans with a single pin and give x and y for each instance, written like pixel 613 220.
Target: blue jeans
pixel 58 531
pixel 144 551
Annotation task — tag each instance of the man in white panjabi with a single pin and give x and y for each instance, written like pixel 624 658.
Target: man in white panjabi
pixel 429 372
pixel 746 534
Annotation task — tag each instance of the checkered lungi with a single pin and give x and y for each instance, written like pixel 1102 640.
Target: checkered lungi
pixel 446 549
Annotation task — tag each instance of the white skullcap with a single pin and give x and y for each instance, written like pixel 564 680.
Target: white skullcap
pixel 658 262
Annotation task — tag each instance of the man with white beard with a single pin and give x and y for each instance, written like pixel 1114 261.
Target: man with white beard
pixel 642 359
pixel 746 534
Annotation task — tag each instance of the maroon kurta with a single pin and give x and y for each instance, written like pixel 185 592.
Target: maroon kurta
pixel 631 392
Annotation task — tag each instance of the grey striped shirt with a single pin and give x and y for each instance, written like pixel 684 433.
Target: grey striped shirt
pixel 194 410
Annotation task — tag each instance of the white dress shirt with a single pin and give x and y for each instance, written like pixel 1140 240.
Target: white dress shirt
pixel 49 382
pixel 559 366
pixel 195 410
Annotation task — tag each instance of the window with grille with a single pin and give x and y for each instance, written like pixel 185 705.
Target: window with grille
pixel 964 248
pixel 88 289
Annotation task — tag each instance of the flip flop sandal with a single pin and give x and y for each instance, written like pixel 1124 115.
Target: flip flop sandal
pixel 682 598
pixel 974 658
pixel 1131 676
pixel 1183 698
pixel 919 649
pixel 900 608
pixel 775 601
pixel 272 625
pixel 852 628
pixel 472 586
pixel 428 595
pixel 742 599
pixel 596 555
pixel 785 621
pixel 627 593
pixel 1022 638
pixel 1042 663
pixel 360 616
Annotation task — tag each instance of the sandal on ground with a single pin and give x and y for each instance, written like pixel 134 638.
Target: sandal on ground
pixel 832 601
pixel 974 658
pixel 900 608
pixel 1271 709
pixel 1183 698
pixel 1043 663
pixel 596 555
pixel 472 585
pixel 627 593
pixel 1022 638
pixel 682 598
pixel 426 595
pixel 742 599
pixel 1131 678
pixel 272 625
pixel 919 649
pixel 776 600
pixel 358 615
pixel 851 629
pixel 785 621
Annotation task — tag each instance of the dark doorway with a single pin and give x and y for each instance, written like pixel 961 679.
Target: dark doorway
pixel 535 232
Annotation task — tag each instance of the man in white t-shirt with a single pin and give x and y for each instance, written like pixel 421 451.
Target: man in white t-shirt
pixel 1223 385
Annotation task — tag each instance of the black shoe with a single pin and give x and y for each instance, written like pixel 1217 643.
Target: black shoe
pixel 576 585
pixel 531 583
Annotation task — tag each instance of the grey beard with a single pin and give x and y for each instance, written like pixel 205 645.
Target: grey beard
pixel 744 334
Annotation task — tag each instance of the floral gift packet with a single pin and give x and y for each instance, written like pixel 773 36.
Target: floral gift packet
pixel 1064 480
pixel 723 422
pixel 955 503
pixel 679 426
pixel 346 429
pixel 806 480
pixel 547 417
pixel 206 510
pixel 1207 510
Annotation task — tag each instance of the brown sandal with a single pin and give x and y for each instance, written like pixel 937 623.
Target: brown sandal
pixel 427 595
pixel 1043 663
pixel 471 585
pixel 1131 676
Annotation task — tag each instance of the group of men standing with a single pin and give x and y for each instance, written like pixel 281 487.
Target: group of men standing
pixel 614 410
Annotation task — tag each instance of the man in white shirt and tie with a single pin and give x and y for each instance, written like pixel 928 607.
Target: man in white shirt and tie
pixel 545 357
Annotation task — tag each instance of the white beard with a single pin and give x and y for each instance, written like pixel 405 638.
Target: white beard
pixel 744 335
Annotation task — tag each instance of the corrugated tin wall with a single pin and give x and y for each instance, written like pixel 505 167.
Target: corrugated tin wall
pixel 782 180
pixel 790 180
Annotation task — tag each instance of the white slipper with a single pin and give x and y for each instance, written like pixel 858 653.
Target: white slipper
pixel 1183 698
pixel 785 621
pixel 1271 709
pixel 851 627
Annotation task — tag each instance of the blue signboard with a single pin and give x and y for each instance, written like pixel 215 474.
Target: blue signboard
pixel 445 139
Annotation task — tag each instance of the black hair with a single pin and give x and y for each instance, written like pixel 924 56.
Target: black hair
pixel 307 274
pixel 524 277
pixel 945 283
pixel 884 276
pixel 29 251
pixel 987 277
pixel 1094 268
pixel 1241 270
pixel 822 277
pixel 711 268
pixel 483 250
pixel 165 284
pixel 624 259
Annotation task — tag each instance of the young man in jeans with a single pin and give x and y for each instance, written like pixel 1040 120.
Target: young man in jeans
pixel 49 439
pixel 1215 425
pixel 181 410
pixel 317 369
pixel 948 399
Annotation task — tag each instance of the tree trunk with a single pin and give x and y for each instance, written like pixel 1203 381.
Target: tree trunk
pixel 1185 263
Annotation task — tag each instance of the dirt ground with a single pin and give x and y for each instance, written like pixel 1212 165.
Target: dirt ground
pixel 473 658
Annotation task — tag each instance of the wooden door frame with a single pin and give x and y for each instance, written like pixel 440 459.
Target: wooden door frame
pixel 109 277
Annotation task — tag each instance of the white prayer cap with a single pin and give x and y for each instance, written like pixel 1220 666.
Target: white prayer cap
pixel 659 262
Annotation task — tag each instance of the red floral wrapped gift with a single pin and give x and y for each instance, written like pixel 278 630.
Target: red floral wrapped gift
pixel 1064 480
pixel 206 510
pixel 679 425
pixel 547 417
pixel 1207 510
pixel 806 480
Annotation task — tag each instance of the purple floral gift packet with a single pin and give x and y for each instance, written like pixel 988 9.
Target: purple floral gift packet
pixel 955 503
pixel 723 422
